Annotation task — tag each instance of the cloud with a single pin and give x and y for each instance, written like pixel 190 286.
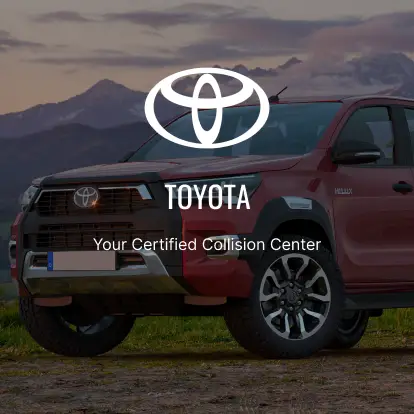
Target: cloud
pixel 237 31
pixel 61 16
pixel 70 71
pixel 109 52
pixel 237 35
pixel 384 33
pixel 217 50
pixel 322 38
pixel 8 43
pixel 213 8
pixel 186 14
pixel 151 19
pixel 112 60
pixel 213 51
pixel 283 35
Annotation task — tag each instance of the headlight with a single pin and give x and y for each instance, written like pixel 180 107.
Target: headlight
pixel 26 198
pixel 249 182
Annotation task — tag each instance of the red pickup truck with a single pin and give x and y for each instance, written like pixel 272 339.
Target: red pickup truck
pixel 327 243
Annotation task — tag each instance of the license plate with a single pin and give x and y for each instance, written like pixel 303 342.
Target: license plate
pixel 83 261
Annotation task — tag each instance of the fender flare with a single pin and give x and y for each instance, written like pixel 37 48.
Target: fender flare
pixel 284 209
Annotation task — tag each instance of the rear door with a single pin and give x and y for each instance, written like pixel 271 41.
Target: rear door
pixel 374 203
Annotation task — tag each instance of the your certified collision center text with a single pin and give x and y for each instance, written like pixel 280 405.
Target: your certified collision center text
pixel 207 244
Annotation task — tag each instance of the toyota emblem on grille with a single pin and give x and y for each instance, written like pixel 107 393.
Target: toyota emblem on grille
pixel 86 197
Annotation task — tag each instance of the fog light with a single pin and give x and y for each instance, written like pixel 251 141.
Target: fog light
pixel 221 247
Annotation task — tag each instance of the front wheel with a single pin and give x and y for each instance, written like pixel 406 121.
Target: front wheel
pixel 68 332
pixel 350 330
pixel 294 307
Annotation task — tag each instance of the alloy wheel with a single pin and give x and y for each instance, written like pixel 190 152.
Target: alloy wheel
pixel 295 296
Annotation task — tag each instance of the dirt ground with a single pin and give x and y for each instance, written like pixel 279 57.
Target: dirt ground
pixel 356 381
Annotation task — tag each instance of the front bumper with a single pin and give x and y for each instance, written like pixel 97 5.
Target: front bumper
pixel 162 272
pixel 150 277
pixel 62 227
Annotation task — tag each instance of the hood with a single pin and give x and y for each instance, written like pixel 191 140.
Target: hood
pixel 151 171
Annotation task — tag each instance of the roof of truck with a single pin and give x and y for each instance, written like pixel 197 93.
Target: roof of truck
pixel 348 99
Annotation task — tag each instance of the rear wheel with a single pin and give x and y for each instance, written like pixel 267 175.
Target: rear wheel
pixel 350 330
pixel 68 333
pixel 294 307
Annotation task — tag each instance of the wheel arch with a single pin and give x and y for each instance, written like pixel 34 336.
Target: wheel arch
pixel 304 227
pixel 297 216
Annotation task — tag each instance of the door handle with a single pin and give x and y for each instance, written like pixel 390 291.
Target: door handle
pixel 402 187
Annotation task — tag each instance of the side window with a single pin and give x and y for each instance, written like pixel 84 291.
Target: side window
pixel 409 114
pixel 372 125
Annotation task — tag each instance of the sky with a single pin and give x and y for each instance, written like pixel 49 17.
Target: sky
pixel 51 50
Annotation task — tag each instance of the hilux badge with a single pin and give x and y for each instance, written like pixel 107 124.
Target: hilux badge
pixel 343 191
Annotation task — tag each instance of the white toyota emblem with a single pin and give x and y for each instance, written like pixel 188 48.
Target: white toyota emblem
pixel 86 197
pixel 207 137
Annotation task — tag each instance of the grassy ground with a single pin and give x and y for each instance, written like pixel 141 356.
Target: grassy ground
pixel 8 290
pixel 192 365
pixel 175 335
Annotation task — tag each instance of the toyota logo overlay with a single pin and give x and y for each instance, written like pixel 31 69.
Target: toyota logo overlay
pixel 86 197
pixel 207 137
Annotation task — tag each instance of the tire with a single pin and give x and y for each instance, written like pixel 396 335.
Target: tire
pixel 350 330
pixel 245 318
pixel 52 332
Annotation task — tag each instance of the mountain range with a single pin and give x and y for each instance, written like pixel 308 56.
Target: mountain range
pixel 108 120
pixel 108 104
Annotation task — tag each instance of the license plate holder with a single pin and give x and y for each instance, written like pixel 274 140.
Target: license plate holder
pixel 81 261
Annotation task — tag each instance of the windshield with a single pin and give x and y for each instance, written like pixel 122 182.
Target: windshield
pixel 291 129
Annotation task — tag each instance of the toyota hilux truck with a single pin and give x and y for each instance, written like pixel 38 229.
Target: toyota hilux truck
pixel 326 243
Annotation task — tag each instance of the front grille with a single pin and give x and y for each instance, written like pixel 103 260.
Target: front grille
pixel 122 200
pixel 81 236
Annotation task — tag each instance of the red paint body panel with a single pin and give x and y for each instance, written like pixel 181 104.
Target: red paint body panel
pixel 233 278
pixel 375 226
pixel 218 277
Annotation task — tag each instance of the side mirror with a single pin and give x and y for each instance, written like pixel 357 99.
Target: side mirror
pixel 355 152
pixel 126 157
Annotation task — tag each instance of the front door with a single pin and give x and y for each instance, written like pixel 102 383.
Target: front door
pixel 374 207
